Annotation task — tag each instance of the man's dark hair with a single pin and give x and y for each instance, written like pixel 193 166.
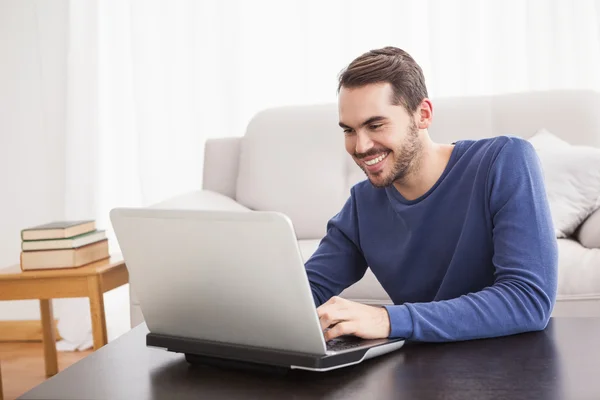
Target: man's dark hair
pixel 388 64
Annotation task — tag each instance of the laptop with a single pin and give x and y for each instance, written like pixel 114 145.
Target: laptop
pixel 230 288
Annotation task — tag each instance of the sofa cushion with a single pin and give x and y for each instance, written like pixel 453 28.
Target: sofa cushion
pixel 589 232
pixel 307 248
pixel 292 160
pixel 572 179
pixel 368 290
pixel 201 200
pixel 578 270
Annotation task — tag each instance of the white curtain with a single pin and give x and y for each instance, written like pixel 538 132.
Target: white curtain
pixel 150 80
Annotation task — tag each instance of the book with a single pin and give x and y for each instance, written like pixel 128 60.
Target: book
pixel 68 243
pixel 58 230
pixel 65 258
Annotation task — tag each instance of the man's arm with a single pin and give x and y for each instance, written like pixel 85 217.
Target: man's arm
pixel 338 262
pixel 525 258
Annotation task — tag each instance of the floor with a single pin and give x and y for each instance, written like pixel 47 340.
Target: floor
pixel 23 366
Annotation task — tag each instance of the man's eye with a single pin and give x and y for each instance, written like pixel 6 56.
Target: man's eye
pixel 347 131
pixel 374 127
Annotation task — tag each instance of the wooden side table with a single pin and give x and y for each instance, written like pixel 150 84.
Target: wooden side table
pixel 91 281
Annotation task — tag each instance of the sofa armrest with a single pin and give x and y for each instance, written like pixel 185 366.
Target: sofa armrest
pixel 588 233
pixel 221 162
pixel 201 200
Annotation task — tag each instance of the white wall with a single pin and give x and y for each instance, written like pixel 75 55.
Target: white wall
pixel 32 123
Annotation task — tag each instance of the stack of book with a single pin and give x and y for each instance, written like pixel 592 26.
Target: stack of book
pixel 62 244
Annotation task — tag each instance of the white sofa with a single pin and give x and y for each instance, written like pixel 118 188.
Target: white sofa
pixel 292 160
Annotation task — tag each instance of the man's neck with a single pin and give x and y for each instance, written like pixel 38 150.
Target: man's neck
pixel 426 171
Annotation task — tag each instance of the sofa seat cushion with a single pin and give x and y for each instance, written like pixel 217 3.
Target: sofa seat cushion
pixel 578 271
pixel 307 248
pixel 589 232
pixel 201 200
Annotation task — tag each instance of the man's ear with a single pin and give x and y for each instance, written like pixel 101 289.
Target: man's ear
pixel 424 114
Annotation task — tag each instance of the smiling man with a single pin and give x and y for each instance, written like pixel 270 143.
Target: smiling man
pixel 459 235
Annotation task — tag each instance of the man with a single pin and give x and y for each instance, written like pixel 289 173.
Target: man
pixel 459 235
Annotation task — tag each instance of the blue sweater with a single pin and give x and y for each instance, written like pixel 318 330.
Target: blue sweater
pixel 474 257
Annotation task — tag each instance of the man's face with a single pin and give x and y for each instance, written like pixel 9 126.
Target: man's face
pixel 382 138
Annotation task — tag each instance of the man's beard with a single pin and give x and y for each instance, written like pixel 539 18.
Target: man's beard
pixel 405 159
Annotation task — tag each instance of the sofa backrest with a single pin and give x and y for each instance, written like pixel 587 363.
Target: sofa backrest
pixel 572 115
pixel 293 160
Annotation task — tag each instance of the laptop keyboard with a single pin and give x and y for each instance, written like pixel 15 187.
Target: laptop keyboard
pixel 345 343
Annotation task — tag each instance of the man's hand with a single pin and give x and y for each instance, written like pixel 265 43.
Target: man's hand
pixel 345 317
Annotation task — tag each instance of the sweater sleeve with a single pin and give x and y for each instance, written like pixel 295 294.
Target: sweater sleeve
pixel 525 261
pixel 338 262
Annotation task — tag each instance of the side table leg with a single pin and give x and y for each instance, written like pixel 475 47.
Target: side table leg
pixel 97 312
pixel 49 337
pixel 1 391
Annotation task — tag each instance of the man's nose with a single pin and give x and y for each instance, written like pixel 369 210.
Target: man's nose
pixel 363 143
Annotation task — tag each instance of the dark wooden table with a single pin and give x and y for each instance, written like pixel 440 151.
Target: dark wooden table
pixel 561 362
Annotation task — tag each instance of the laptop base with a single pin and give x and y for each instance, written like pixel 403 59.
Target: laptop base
pixel 245 357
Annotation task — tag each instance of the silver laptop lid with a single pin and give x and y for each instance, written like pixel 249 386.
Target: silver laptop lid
pixel 229 276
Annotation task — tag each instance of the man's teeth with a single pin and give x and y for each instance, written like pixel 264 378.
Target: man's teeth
pixel 376 160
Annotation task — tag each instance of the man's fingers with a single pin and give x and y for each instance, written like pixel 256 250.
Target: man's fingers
pixel 340 317
pixel 331 316
pixel 334 311
pixel 343 328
